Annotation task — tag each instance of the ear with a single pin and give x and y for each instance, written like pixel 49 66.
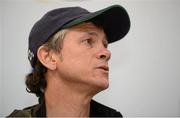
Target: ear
pixel 46 57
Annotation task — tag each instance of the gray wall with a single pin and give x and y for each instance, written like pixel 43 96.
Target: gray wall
pixel 1 58
pixel 144 69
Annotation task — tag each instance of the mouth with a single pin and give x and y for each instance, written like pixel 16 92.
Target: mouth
pixel 104 68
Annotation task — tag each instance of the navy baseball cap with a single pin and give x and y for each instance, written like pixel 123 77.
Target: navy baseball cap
pixel 114 19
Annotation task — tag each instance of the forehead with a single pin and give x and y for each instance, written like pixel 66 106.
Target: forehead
pixel 89 27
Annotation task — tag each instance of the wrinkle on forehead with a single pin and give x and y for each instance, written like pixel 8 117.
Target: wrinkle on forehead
pixel 91 29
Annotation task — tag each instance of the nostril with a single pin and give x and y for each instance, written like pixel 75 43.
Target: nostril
pixel 102 56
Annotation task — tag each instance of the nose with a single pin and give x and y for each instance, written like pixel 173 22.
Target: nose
pixel 104 54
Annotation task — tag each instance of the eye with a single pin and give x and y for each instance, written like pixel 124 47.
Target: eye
pixel 88 41
pixel 105 43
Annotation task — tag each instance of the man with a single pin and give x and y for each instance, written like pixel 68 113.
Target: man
pixel 69 55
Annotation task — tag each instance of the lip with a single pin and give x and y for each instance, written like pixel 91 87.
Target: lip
pixel 104 68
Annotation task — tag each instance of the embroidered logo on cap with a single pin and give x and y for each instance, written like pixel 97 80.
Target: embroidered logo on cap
pixel 30 55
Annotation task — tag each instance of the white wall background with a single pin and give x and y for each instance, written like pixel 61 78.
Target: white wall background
pixel 145 65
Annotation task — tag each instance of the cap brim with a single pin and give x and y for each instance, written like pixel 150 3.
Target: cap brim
pixel 115 20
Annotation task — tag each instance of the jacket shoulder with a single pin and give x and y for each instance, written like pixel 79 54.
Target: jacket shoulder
pixel 100 110
pixel 26 112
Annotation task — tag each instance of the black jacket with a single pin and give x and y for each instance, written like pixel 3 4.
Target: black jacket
pixel 39 110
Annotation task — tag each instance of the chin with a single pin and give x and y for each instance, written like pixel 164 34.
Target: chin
pixel 102 85
pixel 105 86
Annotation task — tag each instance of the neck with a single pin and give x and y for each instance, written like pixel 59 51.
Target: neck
pixel 64 99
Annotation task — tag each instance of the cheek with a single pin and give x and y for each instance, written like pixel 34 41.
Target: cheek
pixel 77 60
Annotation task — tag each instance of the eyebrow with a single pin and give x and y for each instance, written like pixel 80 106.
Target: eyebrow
pixel 92 33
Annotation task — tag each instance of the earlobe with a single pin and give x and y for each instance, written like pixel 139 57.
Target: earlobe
pixel 46 57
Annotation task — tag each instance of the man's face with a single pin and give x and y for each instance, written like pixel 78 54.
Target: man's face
pixel 83 59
